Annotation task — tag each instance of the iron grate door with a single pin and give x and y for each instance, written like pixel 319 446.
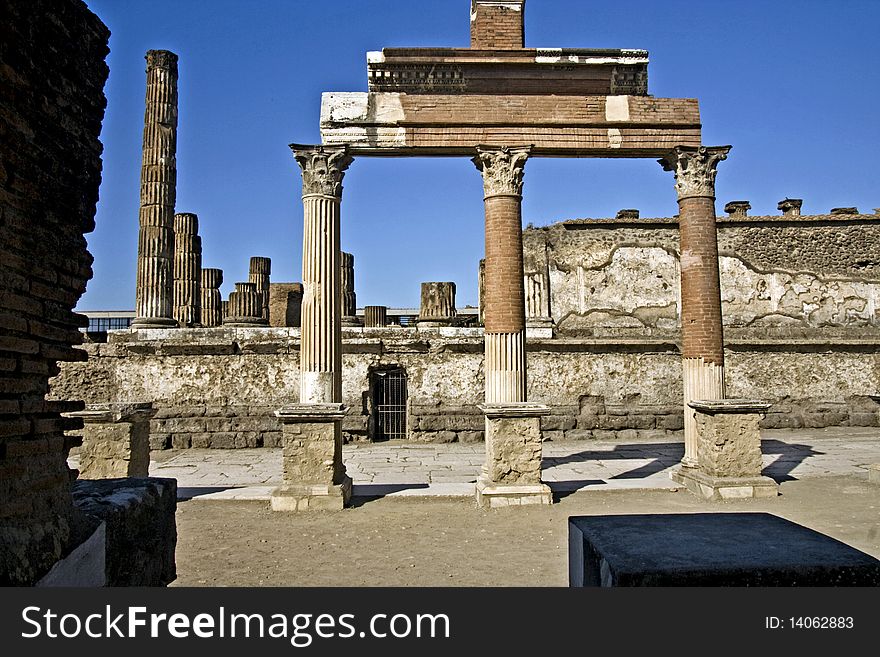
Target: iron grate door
pixel 391 409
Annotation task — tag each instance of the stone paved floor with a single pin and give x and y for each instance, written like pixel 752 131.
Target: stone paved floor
pixel 406 468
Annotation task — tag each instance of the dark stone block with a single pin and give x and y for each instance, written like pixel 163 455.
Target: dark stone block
pixel 141 529
pixel 710 549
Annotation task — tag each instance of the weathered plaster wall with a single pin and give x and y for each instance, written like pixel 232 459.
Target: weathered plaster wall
pixel 219 387
pixel 622 275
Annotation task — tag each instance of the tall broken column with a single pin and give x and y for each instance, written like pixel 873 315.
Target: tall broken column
pixel 187 270
pixel 437 306
pixel 258 273
pixel 314 476
pixel 155 275
pixel 349 299
pixel 212 301
pixel 512 472
pixel 702 341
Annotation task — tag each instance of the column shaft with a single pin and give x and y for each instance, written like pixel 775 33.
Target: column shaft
pixel 258 273
pixel 154 287
pixel 212 302
pixel 187 270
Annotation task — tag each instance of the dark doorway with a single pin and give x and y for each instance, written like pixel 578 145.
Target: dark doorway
pixel 388 395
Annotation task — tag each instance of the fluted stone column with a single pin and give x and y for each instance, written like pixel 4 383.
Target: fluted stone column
pixel 349 298
pixel 187 270
pixel 245 307
pixel 375 316
pixel 212 302
pixel 702 342
pixel 512 472
pixel 224 309
pixel 481 290
pixel 437 304
pixel 155 275
pixel 314 476
pixel 258 274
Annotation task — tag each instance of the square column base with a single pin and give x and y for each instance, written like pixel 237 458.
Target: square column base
pixel 492 495
pixel 312 497
pixel 724 488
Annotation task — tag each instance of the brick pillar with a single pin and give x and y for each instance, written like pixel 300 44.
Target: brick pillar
pixel 258 274
pixel 154 293
pixel 497 24
pixel 187 270
pixel 375 316
pixel 504 302
pixel 702 342
pixel 245 307
pixel 212 303
pixel 321 346
pixel 349 299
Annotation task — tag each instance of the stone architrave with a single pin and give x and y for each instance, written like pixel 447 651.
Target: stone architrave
pixel 375 316
pixel 512 472
pixel 702 343
pixel 116 440
pixel 212 302
pixel 245 307
pixel 729 459
pixel 437 304
pixel 155 262
pixel 187 270
pixel 314 474
pixel 258 273
pixel 349 298
pixel 285 304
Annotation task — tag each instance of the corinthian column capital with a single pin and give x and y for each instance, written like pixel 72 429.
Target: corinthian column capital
pixel 694 168
pixel 322 168
pixel 502 168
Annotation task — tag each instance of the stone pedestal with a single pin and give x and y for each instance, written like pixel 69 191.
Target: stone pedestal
pixel 512 472
pixel 258 273
pixel 155 275
pixel 375 316
pixel 728 451
pixel 314 476
pixel 245 307
pixel 285 304
pixel 437 305
pixel 116 440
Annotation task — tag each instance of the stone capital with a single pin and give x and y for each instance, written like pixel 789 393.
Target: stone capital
pixel 161 59
pixel 322 168
pixel 694 168
pixel 502 168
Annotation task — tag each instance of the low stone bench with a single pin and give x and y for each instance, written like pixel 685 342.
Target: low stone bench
pixel 710 549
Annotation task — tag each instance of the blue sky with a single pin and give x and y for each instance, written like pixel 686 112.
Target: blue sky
pixel 792 85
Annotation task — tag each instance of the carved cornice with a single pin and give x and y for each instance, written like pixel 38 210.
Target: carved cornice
pixel 694 168
pixel 322 168
pixel 161 59
pixel 502 168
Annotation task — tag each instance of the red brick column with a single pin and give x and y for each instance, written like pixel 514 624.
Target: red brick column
pixel 702 342
pixel 504 302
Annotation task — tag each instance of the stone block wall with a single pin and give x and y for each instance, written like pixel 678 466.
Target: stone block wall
pixel 778 274
pixel 219 387
pixel 51 107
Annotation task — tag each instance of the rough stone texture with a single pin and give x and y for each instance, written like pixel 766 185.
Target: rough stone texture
pixel 245 307
pixel 614 276
pixel 115 450
pixel 874 473
pixel 141 529
pixel 437 303
pixel 513 450
pixel 259 272
pixel 285 304
pixel 729 444
pixel 51 108
pixel 219 387
pixel 310 453
pixel 187 270
pixel 211 311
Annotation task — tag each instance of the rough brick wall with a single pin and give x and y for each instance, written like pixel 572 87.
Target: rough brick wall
pixel 52 74
pixel 497 27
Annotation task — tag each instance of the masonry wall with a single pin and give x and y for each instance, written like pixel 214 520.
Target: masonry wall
pixel 778 275
pixel 219 387
pixel 52 74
